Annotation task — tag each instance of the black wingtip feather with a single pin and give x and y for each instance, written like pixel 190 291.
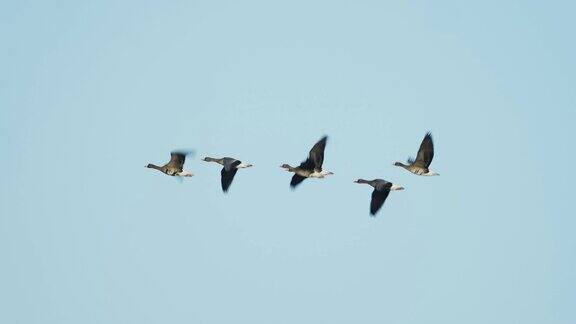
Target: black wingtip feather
pixel 226 178
pixel 296 180
pixel 185 152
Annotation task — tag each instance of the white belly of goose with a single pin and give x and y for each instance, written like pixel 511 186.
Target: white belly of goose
pixel 321 174
pixel 185 174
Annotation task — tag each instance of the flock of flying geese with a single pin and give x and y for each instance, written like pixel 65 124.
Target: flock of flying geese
pixel 310 168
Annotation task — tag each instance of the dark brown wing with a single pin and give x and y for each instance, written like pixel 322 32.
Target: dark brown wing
pixel 230 163
pixel 316 155
pixel 307 165
pixel 378 198
pixel 227 177
pixel 426 152
pixel 176 160
pixel 296 180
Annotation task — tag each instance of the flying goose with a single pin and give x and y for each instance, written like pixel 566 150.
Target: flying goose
pixel 381 190
pixel 423 159
pixel 230 167
pixel 312 167
pixel 174 167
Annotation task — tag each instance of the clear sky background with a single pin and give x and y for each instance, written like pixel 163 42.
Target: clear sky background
pixel 91 91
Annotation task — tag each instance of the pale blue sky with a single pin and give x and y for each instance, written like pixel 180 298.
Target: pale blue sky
pixel 91 91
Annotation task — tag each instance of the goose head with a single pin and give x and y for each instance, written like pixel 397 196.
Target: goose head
pixel 286 166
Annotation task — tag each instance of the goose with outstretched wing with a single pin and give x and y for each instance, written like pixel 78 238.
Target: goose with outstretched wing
pixel 381 190
pixel 175 166
pixel 421 165
pixel 229 168
pixel 311 167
